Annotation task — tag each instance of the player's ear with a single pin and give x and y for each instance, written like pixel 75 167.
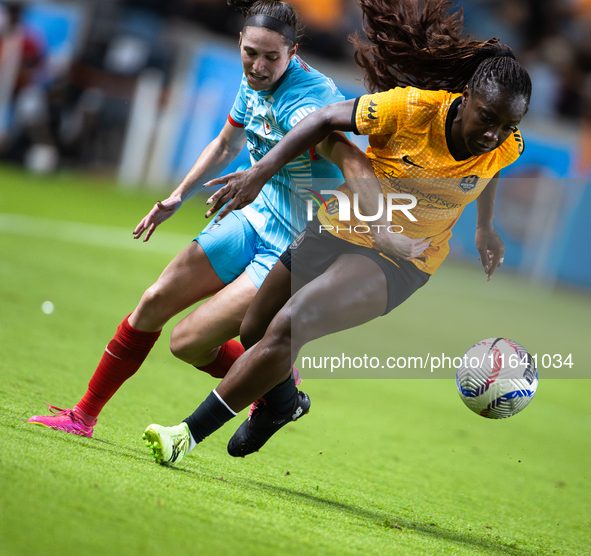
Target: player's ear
pixel 465 95
pixel 240 39
pixel 293 50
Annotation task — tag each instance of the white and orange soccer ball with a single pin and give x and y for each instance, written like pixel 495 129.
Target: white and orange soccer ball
pixel 497 378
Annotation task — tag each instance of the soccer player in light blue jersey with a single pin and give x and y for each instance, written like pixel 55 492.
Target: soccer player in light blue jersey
pixel 229 260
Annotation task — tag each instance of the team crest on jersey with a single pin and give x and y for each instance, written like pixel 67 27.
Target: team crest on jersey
pixel 332 206
pixel 266 126
pixel 468 183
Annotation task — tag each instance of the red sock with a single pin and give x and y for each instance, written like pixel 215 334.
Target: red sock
pixel 229 352
pixel 122 358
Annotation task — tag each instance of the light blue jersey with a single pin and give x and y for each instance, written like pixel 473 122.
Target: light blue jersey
pixel 278 214
pixel 252 239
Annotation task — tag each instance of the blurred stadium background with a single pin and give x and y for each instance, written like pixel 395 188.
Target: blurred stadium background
pixel 134 89
pixel 129 92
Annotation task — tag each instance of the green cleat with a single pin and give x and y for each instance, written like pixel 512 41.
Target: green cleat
pixel 168 445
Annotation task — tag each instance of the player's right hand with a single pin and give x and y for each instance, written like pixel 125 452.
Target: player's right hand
pixel 401 246
pixel 162 211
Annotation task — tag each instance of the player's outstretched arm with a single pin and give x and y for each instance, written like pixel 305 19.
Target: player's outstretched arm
pixel 241 188
pixel 216 156
pixel 488 242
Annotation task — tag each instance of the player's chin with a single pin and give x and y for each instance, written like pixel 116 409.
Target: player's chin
pixel 478 148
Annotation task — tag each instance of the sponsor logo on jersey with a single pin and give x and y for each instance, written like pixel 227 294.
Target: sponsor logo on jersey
pixel 468 183
pixel 372 110
pixel 427 200
pixel 266 126
pixel 409 161
pixel 300 114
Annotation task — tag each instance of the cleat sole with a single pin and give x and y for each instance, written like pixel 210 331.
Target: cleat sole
pixel 153 442
pixel 38 424
pixel 77 433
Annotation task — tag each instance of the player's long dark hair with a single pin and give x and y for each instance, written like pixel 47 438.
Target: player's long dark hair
pixel 424 48
pixel 283 11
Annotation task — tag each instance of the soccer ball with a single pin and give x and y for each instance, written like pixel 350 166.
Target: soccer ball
pixel 497 378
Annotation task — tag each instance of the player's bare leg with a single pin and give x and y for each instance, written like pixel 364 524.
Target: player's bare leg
pixel 352 291
pixel 189 278
pixel 274 293
pixel 198 337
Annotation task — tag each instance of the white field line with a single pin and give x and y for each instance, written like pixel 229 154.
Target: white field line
pixel 92 234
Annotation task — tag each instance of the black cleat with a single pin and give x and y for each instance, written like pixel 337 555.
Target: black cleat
pixel 262 425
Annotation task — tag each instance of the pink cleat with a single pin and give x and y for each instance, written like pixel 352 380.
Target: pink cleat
pixel 261 401
pixel 67 420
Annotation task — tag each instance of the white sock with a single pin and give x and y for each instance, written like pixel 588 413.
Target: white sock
pixel 192 443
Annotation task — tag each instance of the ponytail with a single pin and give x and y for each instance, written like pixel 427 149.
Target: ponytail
pixel 424 49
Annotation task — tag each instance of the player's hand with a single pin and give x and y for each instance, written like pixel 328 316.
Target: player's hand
pixel 400 246
pixel 162 211
pixel 240 190
pixel 491 249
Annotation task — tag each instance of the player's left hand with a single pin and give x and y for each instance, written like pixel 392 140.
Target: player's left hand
pixel 240 190
pixel 491 249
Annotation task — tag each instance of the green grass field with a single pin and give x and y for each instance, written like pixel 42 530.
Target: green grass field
pixel 378 467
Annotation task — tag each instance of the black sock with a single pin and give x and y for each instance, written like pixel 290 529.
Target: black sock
pixel 208 417
pixel 280 398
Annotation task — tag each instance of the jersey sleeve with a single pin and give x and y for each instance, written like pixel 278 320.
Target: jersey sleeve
pixel 237 116
pixel 382 113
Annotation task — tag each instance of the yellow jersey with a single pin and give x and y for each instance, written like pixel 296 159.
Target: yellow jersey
pixel 411 152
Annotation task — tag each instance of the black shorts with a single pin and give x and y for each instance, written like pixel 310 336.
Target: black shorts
pixel 312 252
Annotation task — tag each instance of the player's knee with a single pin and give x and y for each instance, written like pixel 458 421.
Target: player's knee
pixel 153 304
pixel 279 331
pixel 181 346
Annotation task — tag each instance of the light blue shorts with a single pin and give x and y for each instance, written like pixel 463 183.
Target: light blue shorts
pixel 233 246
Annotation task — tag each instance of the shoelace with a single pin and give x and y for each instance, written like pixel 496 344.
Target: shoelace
pixel 58 411
pixel 256 406
pixel 66 413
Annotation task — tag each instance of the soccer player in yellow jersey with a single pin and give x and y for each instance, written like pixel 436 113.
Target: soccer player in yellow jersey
pixel 409 150
pixel 442 122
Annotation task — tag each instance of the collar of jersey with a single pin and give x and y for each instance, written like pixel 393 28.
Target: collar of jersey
pixel 451 114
